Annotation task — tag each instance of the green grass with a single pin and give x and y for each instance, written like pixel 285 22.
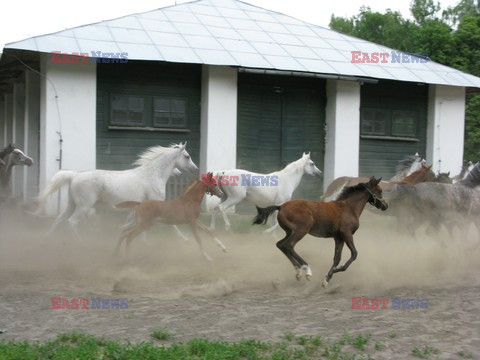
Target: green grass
pixel 161 334
pixel 425 353
pixel 78 345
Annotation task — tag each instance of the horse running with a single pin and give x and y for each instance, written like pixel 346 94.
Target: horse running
pixel 185 209
pixel 287 180
pixel 146 181
pixel 338 219
pixel 404 168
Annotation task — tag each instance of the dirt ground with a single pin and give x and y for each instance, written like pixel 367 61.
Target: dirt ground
pixel 249 292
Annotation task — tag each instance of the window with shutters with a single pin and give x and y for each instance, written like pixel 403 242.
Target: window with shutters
pixel 147 112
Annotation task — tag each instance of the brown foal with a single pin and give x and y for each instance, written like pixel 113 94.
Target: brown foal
pixel 185 209
pixel 338 219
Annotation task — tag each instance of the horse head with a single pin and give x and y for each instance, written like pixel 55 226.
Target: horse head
pixel 376 199
pixel 210 184
pixel 309 166
pixel 183 161
pixel 17 157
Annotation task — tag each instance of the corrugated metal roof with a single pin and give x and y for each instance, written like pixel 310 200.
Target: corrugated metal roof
pixel 234 33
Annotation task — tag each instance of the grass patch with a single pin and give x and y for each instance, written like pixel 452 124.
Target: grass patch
pixel 78 345
pixel 161 334
pixel 424 353
pixel 465 355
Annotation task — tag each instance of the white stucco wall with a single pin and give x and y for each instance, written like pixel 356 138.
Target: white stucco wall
pixel 67 106
pixel 445 129
pixel 342 141
pixel 218 136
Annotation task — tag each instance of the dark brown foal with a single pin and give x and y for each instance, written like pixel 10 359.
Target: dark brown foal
pixel 338 219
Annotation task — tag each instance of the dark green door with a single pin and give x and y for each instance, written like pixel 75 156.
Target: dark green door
pixel 279 118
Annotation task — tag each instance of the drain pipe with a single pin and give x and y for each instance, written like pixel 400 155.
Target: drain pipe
pixel 59 159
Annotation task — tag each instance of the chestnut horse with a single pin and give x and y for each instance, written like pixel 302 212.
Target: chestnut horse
pixel 185 209
pixel 338 219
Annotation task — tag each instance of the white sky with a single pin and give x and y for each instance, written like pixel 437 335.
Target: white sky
pixel 23 19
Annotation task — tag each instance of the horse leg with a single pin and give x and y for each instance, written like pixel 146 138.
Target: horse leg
pixel 287 244
pixel 199 240
pixel 336 260
pixel 179 233
pixel 61 218
pixel 223 206
pixel 349 241
pixel 273 228
pixel 210 232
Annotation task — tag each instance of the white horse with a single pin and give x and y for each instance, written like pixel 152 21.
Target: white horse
pixel 147 181
pixel 263 190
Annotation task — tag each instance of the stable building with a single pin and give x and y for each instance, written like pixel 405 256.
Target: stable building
pixel 246 87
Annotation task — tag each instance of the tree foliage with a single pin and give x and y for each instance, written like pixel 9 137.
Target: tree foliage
pixel 451 38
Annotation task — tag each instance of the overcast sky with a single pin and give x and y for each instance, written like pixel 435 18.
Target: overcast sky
pixel 21 19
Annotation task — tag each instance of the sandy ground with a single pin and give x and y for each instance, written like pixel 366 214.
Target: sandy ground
pixel 249 292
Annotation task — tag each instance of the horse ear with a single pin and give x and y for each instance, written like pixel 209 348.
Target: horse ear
pixel 374 181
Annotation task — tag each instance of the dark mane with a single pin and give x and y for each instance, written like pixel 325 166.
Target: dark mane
pixel 350 190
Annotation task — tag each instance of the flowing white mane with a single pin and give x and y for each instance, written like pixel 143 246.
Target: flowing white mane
pixel 153 153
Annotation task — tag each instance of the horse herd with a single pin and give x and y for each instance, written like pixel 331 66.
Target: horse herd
pixel 414 192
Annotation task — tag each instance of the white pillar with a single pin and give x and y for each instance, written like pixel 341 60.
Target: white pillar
pixel 67 108
pixel 445 129
pixel 342 141
pixel 218 135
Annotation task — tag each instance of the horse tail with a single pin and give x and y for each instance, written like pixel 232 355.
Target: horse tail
pixel 61 178
pixel 264 213
pixel 126 205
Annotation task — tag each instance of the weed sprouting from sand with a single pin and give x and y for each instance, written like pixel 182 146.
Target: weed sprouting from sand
pixel 465 355
pixel 425 353
pixel 161 334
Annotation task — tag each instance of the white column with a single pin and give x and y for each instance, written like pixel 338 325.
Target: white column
pixel 67 111
pixel 445 129
pixel 67 108
pixel 218 135
pixel 342 143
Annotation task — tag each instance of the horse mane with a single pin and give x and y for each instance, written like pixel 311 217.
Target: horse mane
pixel 406 163
pixel 346 192
pixel 189 187
pixel 420 175
pixel 473 177
pixel 153 153
pixel 7 150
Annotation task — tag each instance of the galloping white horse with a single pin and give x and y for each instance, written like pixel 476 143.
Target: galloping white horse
pixel 146 181
pixel 263 190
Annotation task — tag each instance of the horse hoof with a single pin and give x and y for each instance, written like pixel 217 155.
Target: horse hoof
pixel 308 276
pixel 325 283
pixel 298 277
